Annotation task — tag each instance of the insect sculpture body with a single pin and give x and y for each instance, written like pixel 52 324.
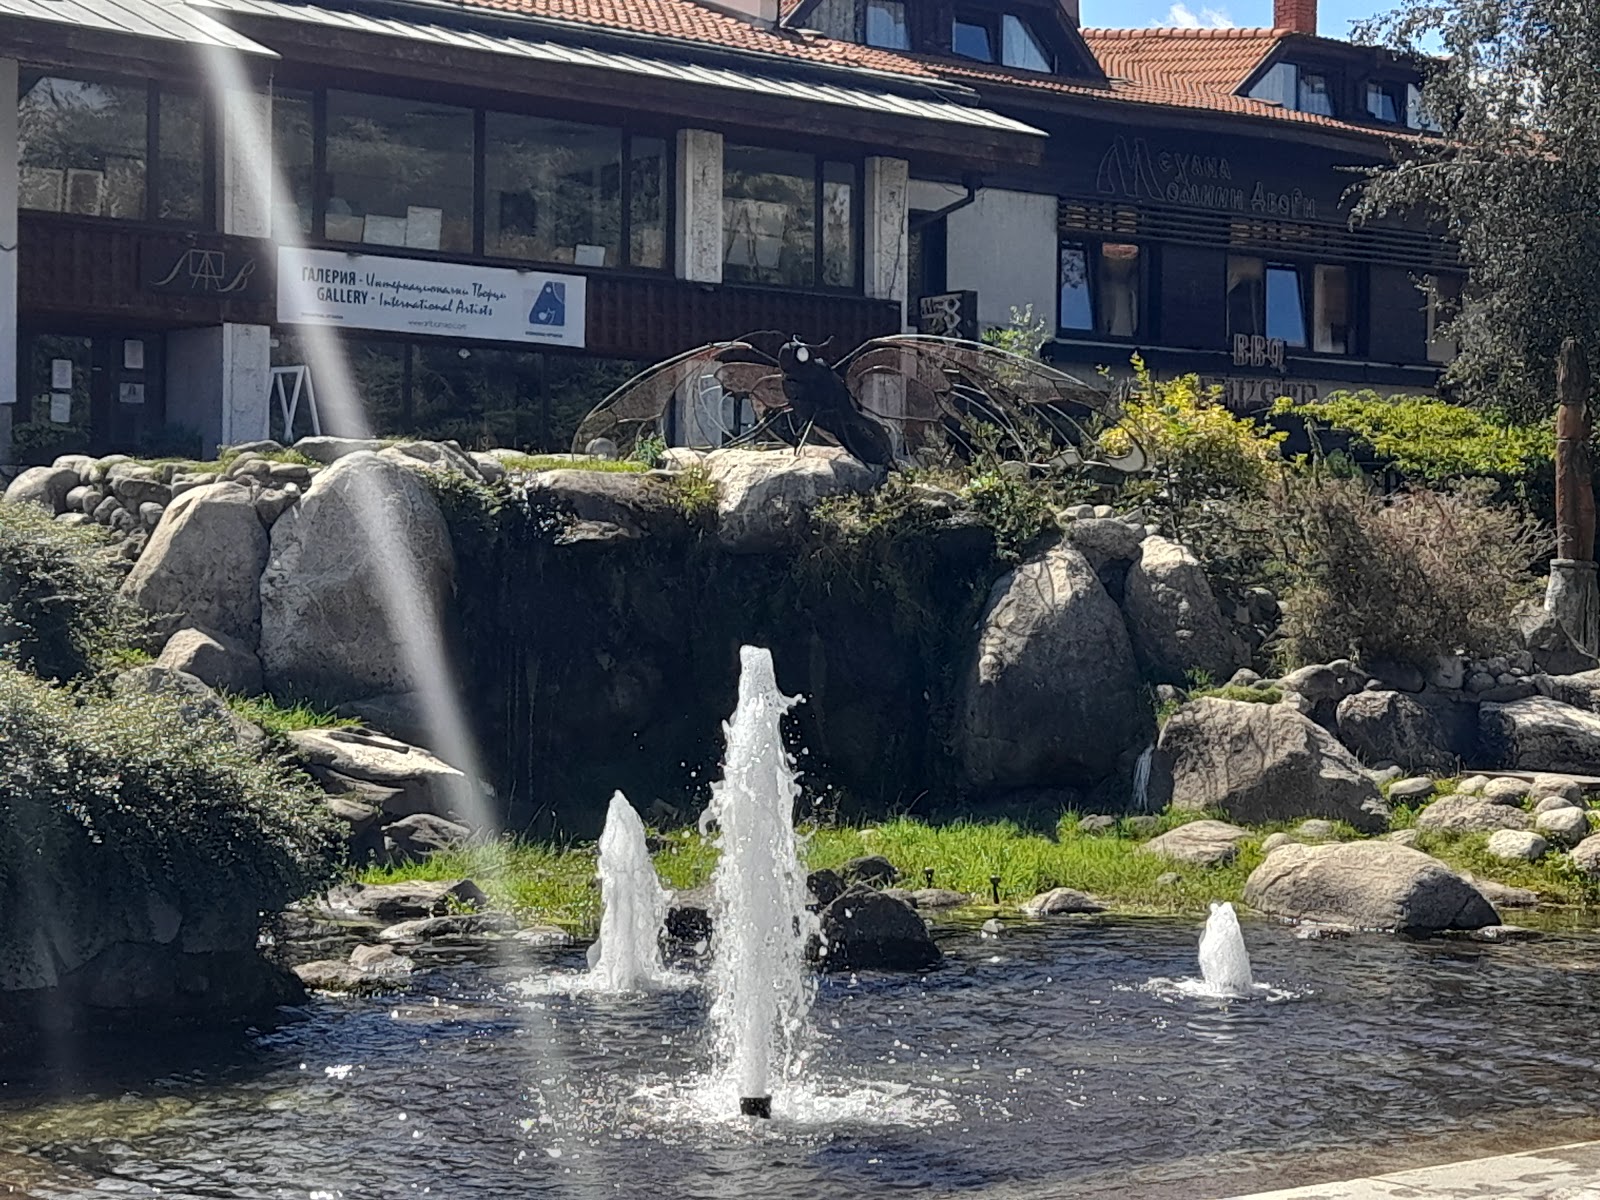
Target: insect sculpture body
pixel 909 398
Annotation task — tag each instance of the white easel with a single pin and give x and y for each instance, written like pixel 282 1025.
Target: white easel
pixel 288 385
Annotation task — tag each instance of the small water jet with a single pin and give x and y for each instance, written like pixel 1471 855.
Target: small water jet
pixel 759 919
pixel 627 956
pixel 1141 779
pixel 1224 961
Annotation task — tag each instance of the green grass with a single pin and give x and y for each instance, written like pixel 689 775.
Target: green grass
pixel 550 462
pixel 285 718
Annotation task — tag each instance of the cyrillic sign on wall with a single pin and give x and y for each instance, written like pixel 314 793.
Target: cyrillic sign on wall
pixel 415 296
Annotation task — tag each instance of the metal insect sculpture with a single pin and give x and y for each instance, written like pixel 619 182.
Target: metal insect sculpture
pixel 908 398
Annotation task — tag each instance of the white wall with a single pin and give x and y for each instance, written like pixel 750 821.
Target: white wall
pixel 887 186
pixel 218 380
pixel 699 225
pixel 1002 246
pixel 8 251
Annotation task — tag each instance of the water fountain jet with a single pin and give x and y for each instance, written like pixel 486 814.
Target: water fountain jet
pixel 627 955
pixel 759 918
pixel 1224 961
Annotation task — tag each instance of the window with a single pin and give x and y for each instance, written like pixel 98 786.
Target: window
pixel 1100 288
pixel 1417 116
pixel 1382 104
pixel 181 158
pixel 83 146
pixel 1315 95
pixel 789 219
pixel 928 248
pixel 294 155
pixel 1008 40
pixel 554 191
pixel 647 202
pixel 399 172
pixel 971 37
pixel 886 25
pixel 1020 46
pixel 1444 301
pixel 1273 300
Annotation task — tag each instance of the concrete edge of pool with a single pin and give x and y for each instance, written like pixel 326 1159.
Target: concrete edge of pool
pixel 1569 1172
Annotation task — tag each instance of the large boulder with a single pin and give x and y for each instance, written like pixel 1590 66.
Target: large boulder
pixel 1259 763
pixel 634 502
pixel 358 569
pixel 215 659
pixel 418 782
pixel 1370 885
pixel 1541 734
pixel 1393 727
pixel 1471 814
pixel 45 486
pixel 1052 695
pixel 1199 843
pixel 204 562
pixel 866 930
pixel 765 497
pixel 328 450
pixel 1173 618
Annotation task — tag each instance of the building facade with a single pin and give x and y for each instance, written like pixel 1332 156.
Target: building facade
pixel 222 220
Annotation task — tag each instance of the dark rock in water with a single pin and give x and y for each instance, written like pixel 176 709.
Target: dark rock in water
pixel 457 925
pixel 935 897
pixel 824 885
pixel 336 975
pixel 872 868
pixel 865 930
pixel 689 915
pixel 381 960
pixel 390 902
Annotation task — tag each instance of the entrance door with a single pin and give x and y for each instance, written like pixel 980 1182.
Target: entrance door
pixel 92 394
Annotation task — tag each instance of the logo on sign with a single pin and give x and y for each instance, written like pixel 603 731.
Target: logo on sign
pixel 550 306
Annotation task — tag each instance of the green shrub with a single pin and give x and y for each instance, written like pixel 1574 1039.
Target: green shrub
pixel 1404 577
pixel 1245 695
pixel 120 796
pixel 61 614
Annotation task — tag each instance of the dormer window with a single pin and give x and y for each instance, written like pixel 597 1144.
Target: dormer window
pixel 1007 39
pixel 1288 85
pixel 1383 104
pixel 886 25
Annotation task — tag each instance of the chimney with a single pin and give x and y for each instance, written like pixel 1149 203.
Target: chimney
pixel 1297 16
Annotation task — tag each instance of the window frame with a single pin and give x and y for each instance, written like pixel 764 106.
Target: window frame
pixel 857 164
pixel 994 23
pixel 865 18
pixel 1305 270
pixel 1093 247
pixel 150 208
pixel 628 131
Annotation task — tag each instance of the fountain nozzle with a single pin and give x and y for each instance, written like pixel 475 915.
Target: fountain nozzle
pixel 756 1106
pixel 927 873
pixel 994 888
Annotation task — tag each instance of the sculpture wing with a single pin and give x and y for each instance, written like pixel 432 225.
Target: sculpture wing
pixel 713 383
pixel 965 398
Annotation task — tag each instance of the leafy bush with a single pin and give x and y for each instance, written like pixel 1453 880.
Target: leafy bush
pixel 1198 450
pixel 61 615
pixel 1404 577
pixel 40 443
pixel 1432 441
pixel 123 795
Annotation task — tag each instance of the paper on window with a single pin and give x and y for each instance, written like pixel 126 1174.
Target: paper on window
pixel 61 407
pixel 424 227
pixel 380 230
pixel 61 374
pixel 131 393
pixel 133 354
pixel 589 256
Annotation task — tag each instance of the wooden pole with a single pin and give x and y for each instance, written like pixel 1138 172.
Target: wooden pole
pixel 1574 487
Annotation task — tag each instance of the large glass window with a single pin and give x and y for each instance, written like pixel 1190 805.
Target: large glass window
pixel 1305 307
pixel 399 172
pixel 294 154
pixel 1004 38
pixel 181 173
pixel 83 145
pixel 886 24
pixel 1100 288
pixel 554 190
pixel 1382 103
pixel 773 204
pixel 647 202
pixel 1292 87
pixel 1021 47
pixel 971 36
pixel 1315 94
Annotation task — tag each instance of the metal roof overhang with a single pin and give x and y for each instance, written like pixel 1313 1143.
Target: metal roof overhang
pixel 172 22
pixel 780 85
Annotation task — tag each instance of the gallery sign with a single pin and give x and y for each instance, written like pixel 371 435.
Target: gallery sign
pixel 437 299
pixel 229 270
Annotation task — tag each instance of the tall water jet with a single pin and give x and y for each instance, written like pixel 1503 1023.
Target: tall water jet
pixel 759 918
pixel 1224 962
pixel 627 957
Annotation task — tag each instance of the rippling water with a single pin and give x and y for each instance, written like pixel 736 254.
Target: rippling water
pixel 1030 1065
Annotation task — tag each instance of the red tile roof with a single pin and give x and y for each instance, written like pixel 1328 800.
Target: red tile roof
pixel 688 21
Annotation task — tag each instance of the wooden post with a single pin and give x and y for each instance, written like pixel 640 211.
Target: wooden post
pixel 1574 486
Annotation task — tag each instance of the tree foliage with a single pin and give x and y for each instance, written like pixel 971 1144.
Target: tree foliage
pixel 1516 94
